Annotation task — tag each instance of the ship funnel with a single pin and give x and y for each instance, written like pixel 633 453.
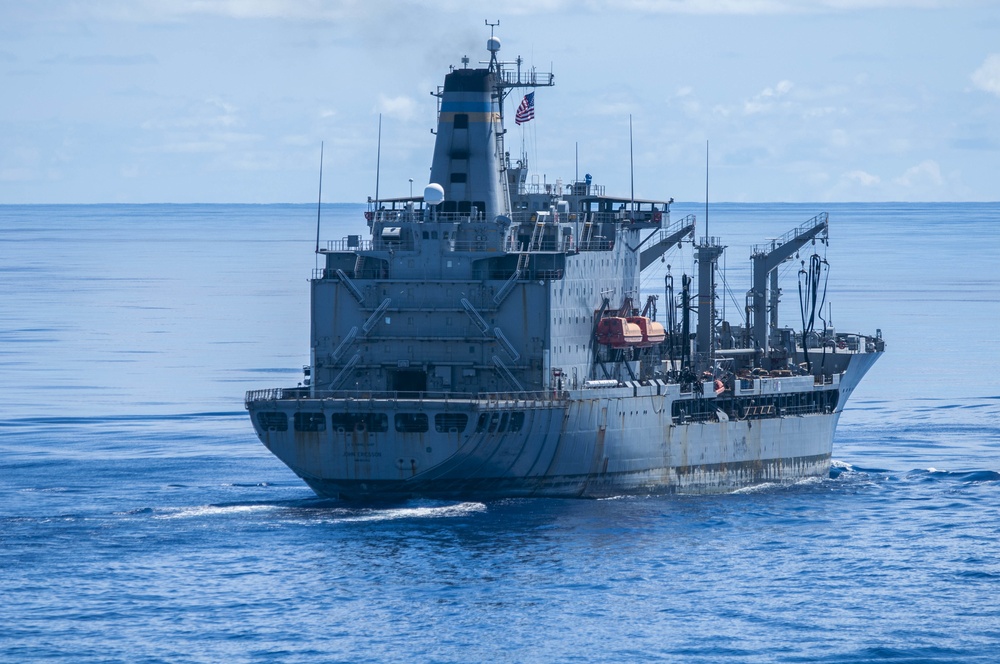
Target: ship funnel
pixel 433 194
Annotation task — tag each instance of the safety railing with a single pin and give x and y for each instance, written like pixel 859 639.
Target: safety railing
pixel 537 398
pixel 819 220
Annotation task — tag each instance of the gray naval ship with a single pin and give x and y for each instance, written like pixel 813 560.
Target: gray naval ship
pixel 489 339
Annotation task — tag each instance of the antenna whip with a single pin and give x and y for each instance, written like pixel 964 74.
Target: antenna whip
pixel 319 199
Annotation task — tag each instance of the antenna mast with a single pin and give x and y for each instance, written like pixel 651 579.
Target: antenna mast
pixel 378 158
pixel 319 199
pixel 493 54
pixel 631 164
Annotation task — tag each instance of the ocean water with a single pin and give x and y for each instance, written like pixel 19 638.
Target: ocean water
pixel 141 520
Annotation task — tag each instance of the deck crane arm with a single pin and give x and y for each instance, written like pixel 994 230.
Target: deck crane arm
pixel 666 239
pixel 766 258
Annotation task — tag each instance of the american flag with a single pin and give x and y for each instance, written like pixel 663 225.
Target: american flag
pixel 526 111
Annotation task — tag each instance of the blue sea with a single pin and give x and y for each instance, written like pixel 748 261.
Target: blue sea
pixel 141 520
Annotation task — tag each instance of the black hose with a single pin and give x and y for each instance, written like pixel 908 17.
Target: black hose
pixel 809 298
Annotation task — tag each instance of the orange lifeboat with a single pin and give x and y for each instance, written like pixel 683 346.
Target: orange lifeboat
pixel 618 332
pixel 652 332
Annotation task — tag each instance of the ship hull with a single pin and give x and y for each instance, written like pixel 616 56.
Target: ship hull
pixel 574 446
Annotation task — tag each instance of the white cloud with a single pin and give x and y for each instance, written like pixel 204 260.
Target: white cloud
pixel 780 89
pixel 801 139
pixel 926 173
pixel 839 138
pixel 211 113
pixel 687 101
pixel 694 6
pixel 721 111
pixel 863 178
pixel 17 174
pixel 345 10
pixel 742 7
pixel 987 77
pixel 402 107
pixel 764 101
pixel 298 140
pixel 172 10
pixel 106 59
pixel 616 109
pixel 193 147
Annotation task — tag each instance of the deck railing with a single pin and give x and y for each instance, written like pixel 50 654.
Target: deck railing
pixel 819 220
pixel 486 400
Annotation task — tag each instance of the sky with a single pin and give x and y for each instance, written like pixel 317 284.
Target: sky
pixel 228 101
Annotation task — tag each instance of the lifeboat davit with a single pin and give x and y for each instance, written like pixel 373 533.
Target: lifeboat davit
pixel 618 333
pixel 652 332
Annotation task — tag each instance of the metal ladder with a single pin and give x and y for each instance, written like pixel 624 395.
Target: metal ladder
pixel 504 183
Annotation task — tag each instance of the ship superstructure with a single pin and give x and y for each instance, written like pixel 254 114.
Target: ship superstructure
pixel 489 339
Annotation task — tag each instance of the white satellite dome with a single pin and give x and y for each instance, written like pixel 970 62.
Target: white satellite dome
pixel 433 194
